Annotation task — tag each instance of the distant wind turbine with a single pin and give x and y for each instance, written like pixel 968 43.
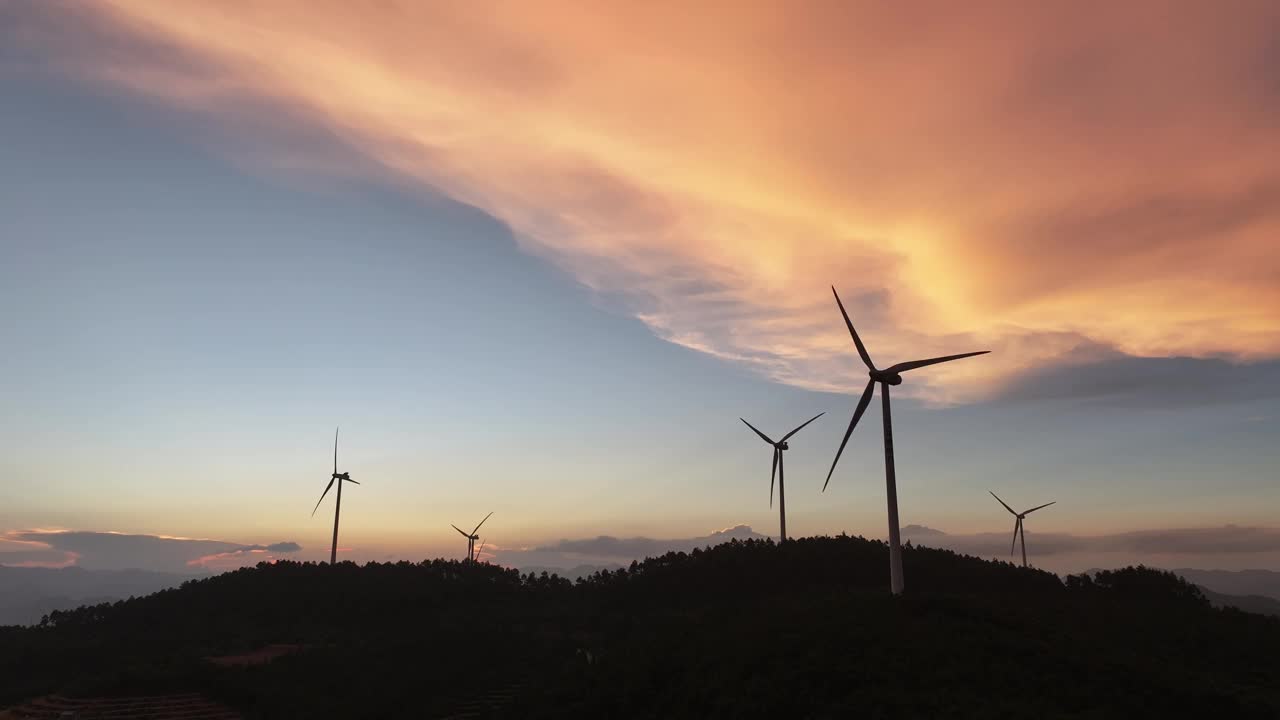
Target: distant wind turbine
pixel 889 376
pixel 778 472
pixel 336 478
pixel 472 537
pixel 1017 525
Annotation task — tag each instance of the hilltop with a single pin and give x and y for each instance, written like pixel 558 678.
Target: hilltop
pixel 805 629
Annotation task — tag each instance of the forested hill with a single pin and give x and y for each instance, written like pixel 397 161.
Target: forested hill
pixel 805 629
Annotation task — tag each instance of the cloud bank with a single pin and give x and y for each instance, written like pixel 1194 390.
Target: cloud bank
pixel 1118 380
pixel 1230 545
pixel 119 551
pixel 606 550
pixel 1042 180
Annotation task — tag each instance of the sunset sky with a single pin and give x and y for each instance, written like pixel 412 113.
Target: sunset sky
pixel 537 258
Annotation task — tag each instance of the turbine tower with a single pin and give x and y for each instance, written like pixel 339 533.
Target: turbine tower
pixel 778 472
pixel 1017 525
pixel 336 478
pixel 472 537
pixel 891 375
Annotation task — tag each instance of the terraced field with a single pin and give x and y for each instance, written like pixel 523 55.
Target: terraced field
pixel 157 707
pixel 487 705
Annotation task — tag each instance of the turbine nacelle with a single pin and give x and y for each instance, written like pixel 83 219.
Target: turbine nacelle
pixel 886 377
pixel 782 445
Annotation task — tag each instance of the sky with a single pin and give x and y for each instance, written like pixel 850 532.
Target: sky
pixel 538 260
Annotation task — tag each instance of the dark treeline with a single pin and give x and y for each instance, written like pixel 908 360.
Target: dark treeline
pixel 804 629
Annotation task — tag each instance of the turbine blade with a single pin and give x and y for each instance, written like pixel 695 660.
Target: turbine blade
pixel 793 432
pixel 1028 512
pixel 351 481
pixel 773 475
pixel 1006 505
pixel 486 518
pixel 335 451
pixel 326 492
pixel 481 550
pixel 862 350
pixel 455 527
pixel 857 414
pixel 905 366
pixel 1017 525
pixel 762 435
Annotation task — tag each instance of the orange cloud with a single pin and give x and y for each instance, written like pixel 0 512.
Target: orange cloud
pixel 1031 178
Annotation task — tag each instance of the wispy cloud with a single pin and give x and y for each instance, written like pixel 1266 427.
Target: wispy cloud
pixel 1031 180
pixel 237 557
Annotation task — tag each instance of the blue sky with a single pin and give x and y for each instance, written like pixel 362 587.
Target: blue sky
pixel 186 322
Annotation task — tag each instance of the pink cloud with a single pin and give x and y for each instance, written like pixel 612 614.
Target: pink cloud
pixel 1029 178
pixel 67 560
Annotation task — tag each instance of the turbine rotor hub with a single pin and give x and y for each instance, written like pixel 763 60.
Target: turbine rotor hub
pixel 887 378
pixel 783 446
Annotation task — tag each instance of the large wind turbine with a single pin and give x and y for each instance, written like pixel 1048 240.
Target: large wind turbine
pixel 336 478
pixel 891 375
pixel 1017 525
pixel 778 448
pixel 472 537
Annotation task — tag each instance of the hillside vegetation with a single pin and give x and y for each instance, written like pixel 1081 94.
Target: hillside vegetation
pixel 805 629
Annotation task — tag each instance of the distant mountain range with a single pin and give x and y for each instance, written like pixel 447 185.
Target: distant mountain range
pixel 1260 604
pixel 28 594
pixel 1235 582
pixel 1255 591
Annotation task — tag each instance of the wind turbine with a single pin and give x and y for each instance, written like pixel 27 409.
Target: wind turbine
pixel 1017 525
pixel 891 375
pixel 778 448
pixel 472 537
pixel 336 478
